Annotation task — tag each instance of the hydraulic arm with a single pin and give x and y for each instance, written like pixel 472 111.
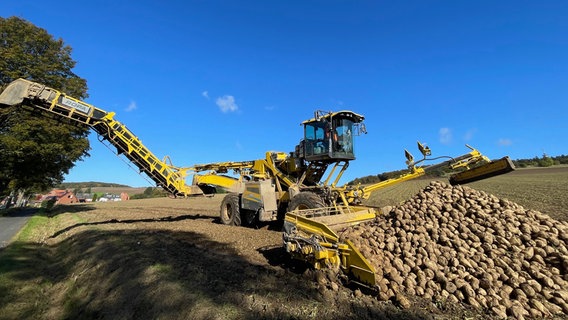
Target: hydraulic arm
pixel 470 167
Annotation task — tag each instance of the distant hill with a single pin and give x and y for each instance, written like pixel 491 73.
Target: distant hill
pixel 545 161
pixel 90 184
pixel 118 190
pixel 101 187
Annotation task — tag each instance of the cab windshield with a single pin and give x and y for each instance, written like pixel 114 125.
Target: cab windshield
pixel 344 136
pixel 329 140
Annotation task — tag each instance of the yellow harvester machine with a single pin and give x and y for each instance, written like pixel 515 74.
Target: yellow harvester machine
pixel 298 188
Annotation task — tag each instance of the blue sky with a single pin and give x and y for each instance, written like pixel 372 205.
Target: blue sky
pixel 211 81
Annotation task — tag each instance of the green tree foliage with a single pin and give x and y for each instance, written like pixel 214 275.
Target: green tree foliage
pixel 377 178
pixel 36 152
pixel 90 184
pixel 150 193
pixel 545 161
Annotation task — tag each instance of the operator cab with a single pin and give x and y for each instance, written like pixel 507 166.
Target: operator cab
pixel 329 136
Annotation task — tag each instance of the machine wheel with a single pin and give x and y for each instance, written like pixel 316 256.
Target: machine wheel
pixel 230 210
pixel 305 200
pixel 248 218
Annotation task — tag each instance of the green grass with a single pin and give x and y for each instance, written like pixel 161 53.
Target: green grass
pixel 28 231
pixel 15 261
pixel 11 257
pixel 26 270
pixel 22 281
pixel 161 269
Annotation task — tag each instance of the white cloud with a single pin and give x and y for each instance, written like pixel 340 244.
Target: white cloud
pixel 227 104
pixel 205 94
pixel 469 134
pixel 445 135
pixel 504 142
pixel 132 106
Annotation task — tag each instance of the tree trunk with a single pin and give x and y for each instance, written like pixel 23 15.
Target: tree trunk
pixel 21 199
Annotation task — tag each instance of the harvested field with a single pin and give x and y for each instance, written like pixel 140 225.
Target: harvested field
pixel 166 258
pixel 541 189
pixel 169 258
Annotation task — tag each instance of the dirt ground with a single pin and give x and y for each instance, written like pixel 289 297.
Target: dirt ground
pixel 169 258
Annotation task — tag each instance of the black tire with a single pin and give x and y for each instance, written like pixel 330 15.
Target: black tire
pixel 230 210
pixel 207 189
pixel 249 218
pixel 305 200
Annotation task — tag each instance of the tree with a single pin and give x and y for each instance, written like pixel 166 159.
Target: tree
pixel 35 151
pixel 148 192
pixel 546 161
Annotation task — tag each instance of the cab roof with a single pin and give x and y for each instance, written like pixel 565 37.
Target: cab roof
pixel 319 115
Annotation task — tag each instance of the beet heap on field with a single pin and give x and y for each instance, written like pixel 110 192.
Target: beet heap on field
pixel 462 245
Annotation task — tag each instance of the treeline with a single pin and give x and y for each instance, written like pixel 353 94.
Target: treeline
pixel 544 161
pixel 90 184
pixel 150 192
pixel 377 178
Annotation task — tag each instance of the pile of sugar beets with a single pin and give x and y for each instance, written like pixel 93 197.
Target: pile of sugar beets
pixel 460 245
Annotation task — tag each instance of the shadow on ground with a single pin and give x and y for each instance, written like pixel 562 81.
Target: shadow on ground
pixel 129 221
pixel 18 212
pixel 73 208
pixel 148 274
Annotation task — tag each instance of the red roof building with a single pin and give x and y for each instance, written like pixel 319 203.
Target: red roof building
pixel 62 196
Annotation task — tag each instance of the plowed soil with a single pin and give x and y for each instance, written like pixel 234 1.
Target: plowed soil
pixel 170 258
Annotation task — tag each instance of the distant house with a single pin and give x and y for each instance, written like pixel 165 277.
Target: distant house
pixel 85 197
pixel 109 197
pixel 61 196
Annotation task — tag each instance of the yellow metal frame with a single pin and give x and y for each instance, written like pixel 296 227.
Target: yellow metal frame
pixel 228 183
pixel 166 175
pixel 47 99
pixel 330 250
pixel 468 165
